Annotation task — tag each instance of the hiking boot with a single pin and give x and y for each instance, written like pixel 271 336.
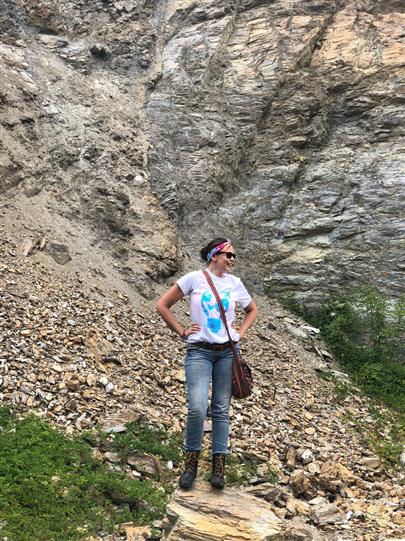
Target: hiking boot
pixel 189 474
pixel 217 479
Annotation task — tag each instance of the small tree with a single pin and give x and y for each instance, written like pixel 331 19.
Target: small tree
pixel 398 335
pixel 376 328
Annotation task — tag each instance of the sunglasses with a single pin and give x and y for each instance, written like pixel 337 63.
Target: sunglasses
pixel 228 255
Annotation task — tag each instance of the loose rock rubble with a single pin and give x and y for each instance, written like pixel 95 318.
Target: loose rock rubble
pixel 84 357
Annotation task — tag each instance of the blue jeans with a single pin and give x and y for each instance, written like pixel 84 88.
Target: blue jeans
pixel 202 365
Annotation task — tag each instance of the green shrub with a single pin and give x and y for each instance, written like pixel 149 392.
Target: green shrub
pixel 53 489
pixel 385 381
pixel 144 439
pixel 6 418
pixel 367 336
pixel 384 435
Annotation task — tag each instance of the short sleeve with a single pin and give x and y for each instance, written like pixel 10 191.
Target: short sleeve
pixel 187 282
pixel 242 294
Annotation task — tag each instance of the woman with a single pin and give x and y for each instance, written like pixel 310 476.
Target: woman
pixel 209 355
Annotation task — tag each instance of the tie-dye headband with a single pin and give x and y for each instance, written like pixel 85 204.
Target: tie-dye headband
pixel 218 248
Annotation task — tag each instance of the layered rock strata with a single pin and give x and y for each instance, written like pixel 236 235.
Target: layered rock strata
pixel 284 121
pixel 277 123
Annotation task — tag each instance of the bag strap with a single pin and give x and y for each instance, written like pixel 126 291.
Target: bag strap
pixel 221 309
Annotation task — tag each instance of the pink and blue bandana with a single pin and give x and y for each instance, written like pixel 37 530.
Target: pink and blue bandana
pixel 218 248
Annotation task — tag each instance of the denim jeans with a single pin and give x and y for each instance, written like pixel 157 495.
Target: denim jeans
pixel 202 366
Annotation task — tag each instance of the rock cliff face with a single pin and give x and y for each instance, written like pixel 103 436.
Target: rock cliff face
pixel 73 129
pixel 284 120
pixel 278 123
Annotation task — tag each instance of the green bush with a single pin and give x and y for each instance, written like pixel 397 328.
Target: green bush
pixel 144 439
pixel 385 381
pixel 367 336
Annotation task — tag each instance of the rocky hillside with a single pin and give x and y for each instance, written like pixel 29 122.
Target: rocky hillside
pixel 132 130
pixel 138 127
pixel 84 356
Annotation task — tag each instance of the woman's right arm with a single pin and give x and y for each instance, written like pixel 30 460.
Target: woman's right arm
pixel 173 295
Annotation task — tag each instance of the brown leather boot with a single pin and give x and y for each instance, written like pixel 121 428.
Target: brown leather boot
pixel 189 474
pixel 217 479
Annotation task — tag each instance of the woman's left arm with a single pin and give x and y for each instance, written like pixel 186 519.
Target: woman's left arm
pixel 251 312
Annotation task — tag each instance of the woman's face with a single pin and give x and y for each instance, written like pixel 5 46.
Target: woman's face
pixel 223 261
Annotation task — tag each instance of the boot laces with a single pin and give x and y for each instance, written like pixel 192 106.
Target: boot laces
pixel 219 466
pixel 192 461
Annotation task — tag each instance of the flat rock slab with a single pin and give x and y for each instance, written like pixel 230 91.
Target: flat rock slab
pixel 206 514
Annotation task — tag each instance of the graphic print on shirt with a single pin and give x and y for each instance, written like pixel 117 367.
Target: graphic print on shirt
pixel 211 309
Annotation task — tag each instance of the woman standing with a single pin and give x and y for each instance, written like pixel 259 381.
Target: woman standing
pixel 209 355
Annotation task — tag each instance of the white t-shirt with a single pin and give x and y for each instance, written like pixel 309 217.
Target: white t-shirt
pixel 204 307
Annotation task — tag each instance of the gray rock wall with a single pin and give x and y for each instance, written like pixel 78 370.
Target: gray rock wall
pixel 72 126
pixel 281 124
pixel 278 123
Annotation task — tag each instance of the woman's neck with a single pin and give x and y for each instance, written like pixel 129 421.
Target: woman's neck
pixel 214 269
